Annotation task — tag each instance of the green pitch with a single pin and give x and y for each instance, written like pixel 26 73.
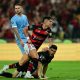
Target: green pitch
pixel 57 70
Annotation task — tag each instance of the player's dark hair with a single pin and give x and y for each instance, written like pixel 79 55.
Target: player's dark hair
pixel 18 4
pixel 47 17
pixel 53 46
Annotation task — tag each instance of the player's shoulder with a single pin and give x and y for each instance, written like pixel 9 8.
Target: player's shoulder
pixel 24 15
pixel 37 25
pixel 14 17
pixel 40 52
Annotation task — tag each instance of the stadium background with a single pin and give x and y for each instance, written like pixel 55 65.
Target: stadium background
pixel 66 28
pixel 66 31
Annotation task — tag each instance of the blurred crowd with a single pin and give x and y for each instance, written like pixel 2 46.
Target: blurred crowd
pixel 67 13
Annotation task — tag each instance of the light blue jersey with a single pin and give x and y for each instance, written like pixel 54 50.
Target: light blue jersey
pixel 20 22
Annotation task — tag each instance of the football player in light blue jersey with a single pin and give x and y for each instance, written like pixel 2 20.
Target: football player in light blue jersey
pixel 19 24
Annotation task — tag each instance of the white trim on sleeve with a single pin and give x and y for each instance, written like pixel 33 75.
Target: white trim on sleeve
pixel 27 25
pixel 14 26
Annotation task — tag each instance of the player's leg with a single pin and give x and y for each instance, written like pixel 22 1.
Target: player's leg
pixel 35 74
pixel 34 56
pixel 6 74
pixel 24 59
pixel 15 74
pixel 25 56
pixel 19 72
pixel 16 65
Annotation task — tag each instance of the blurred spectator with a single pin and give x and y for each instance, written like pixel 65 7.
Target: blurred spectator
pixel 67 13
pixel 76 28
pixel 5 32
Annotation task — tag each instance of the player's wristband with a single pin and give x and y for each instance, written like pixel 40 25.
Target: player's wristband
pixel 27 38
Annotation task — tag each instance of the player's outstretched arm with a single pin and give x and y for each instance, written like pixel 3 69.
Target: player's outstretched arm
pixel 44 70
pixel 40 69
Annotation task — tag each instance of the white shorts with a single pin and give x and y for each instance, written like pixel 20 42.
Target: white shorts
pixel 28 47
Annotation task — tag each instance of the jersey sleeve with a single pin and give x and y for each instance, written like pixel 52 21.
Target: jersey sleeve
pixel 50 34
pixel 32 27
pixel 13 23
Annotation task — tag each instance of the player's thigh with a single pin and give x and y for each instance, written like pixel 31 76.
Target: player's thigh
pixel 21 47
pixel 24 59
pixel 33 53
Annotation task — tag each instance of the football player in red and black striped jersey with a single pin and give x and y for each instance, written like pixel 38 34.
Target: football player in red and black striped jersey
pixel 41 32
pixel 45 57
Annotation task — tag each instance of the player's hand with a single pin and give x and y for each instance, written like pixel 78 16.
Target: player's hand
pixel 29 41
pixel 22 43
pixel 44 77
pixel 45 49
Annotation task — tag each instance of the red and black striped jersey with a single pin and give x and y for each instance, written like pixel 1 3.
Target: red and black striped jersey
pixel 45 57
pixel 39 35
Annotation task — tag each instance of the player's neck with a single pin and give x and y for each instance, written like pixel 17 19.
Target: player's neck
pixel 20 14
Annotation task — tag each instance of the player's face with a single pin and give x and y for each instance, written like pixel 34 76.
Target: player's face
pixel 49 23
pixel 18 9
pixel 52 51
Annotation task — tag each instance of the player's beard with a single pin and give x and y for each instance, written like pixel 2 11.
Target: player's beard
pixel 19 12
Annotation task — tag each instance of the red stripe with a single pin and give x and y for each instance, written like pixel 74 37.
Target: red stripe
pixel 41 31
pixel 36 41
pixel 37 36
pixel 33 34
pixel 33 40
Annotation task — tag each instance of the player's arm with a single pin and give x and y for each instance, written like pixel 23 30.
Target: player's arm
pixel 26 32
pixel 15 30
pixel 26 29
pixel 45 69
pixel 50 39
pixel 45 48
pixel 40 69
pixel 16 33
